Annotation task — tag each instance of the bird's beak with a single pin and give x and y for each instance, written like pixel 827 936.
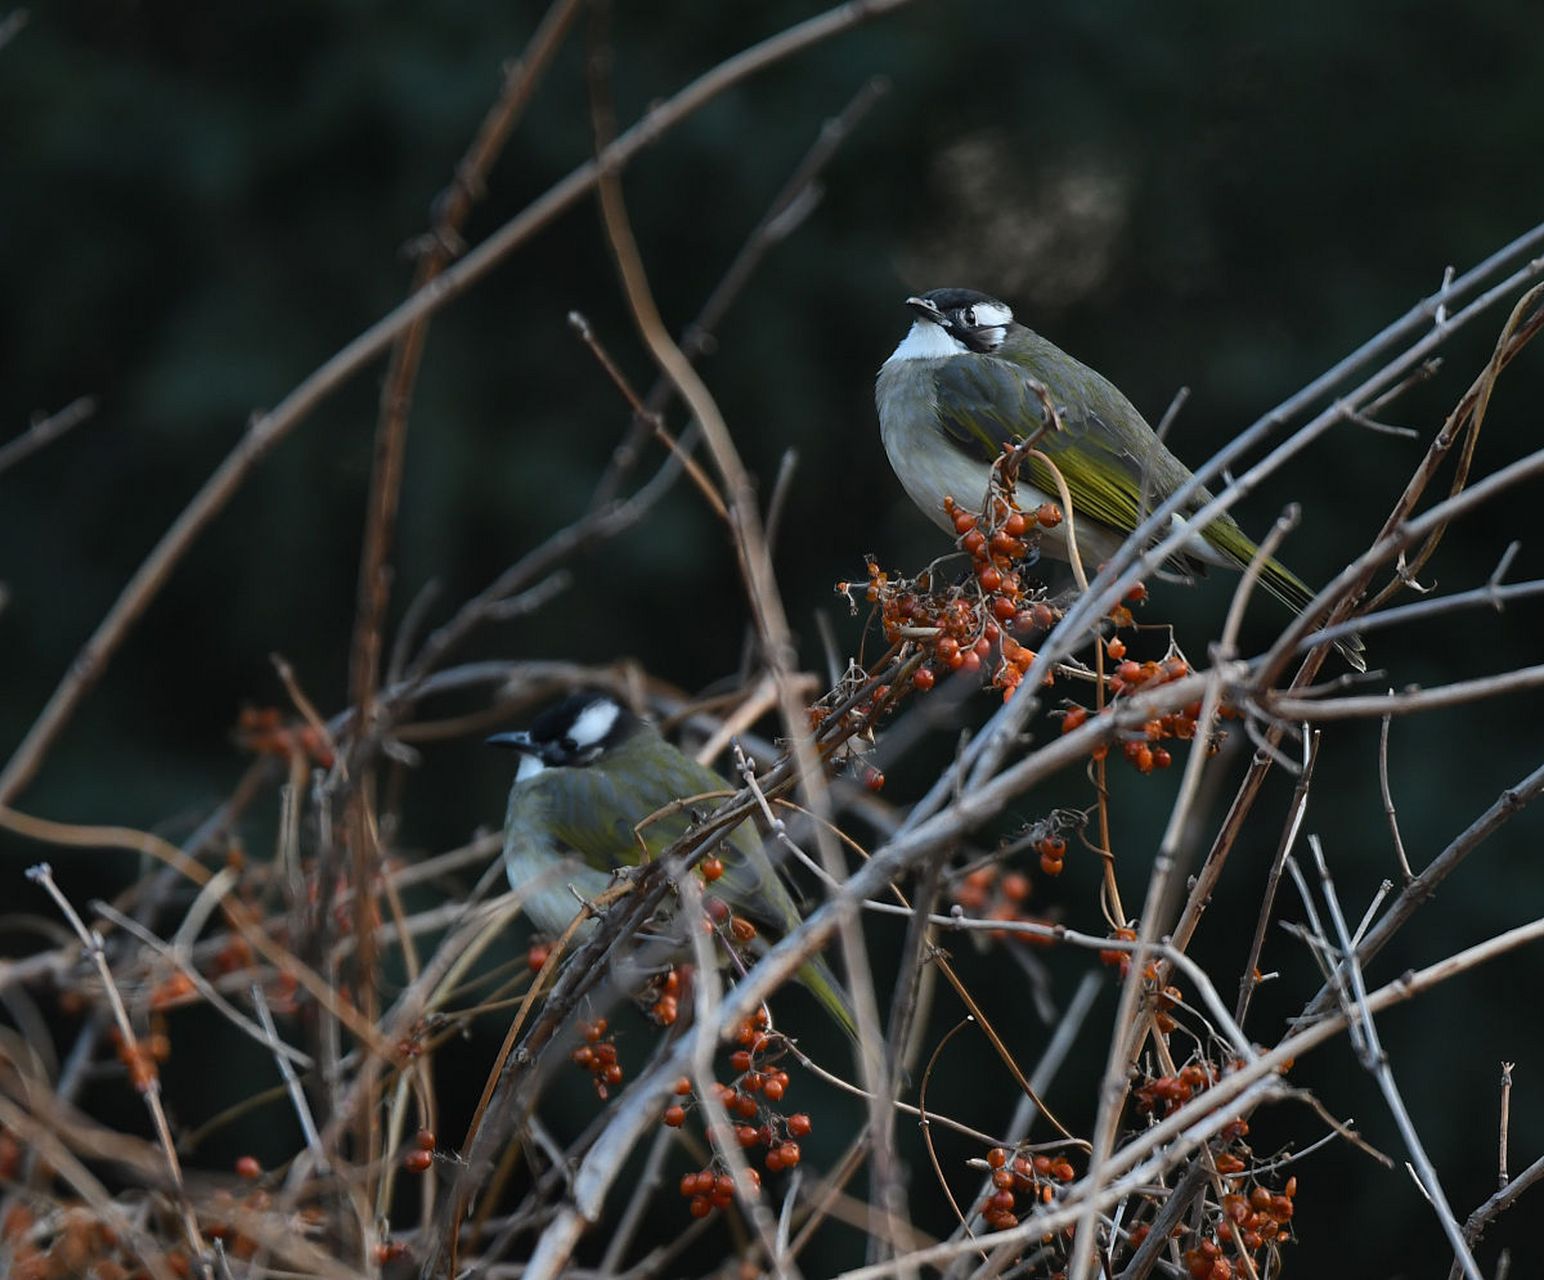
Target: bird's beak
pixel 520 741
pixel 924 308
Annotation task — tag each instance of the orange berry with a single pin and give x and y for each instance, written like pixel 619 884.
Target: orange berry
pixel 675 1116
pixel 248 1167
pixel 1004 545
pixel 1048 515
pixel 712 869
pixel 924 679
pixel 417 1161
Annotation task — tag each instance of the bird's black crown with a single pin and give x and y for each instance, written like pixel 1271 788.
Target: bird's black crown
pixel 957 299
pixel 576 731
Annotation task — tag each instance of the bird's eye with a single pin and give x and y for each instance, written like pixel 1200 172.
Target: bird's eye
pixel 569 746
pixel 970 317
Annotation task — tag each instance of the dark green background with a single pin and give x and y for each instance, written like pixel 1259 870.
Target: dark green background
pixel 198 204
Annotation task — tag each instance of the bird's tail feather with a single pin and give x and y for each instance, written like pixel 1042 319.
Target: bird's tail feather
pixel 820 982
pixel 1293 592
pixel 1279 581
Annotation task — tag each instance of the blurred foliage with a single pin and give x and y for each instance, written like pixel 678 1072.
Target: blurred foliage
pixel 202 203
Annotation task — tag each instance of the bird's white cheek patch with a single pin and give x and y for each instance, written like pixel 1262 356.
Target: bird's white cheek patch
pixel 992 315
pixel 530 766
pixel 927 341
pixel 594 723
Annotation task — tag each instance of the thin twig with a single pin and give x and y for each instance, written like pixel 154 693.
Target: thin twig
pixel 43 431
pixel 1296 811
pixel 1388 799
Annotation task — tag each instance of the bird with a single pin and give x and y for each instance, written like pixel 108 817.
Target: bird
pixel 590 772
pixel 961 384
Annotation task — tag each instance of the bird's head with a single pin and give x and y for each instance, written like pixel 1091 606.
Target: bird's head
pixel 576 732
pixel 954 322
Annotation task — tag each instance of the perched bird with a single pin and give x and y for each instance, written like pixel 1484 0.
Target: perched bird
pixel 590 772
pixel 959 385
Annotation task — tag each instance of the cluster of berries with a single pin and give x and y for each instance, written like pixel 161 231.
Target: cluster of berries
pixel 1163 1094
pixel 1035 1177
pixel 735 930
pixel 990 892
pixel 661 999
pixel 264 731
pixel 1165 1001
pixel 1052 849
pixel 752 1100
pixel 1245 1223
pixel 226 1209
pixel 70 1240
pixel 971 625
pixel 975 624
pixel 139 1057
pixel 843 721
pixel 711 1188
pixel 1143 748
pixel 1261 1217
pixel 598 1056
pixel 420 1156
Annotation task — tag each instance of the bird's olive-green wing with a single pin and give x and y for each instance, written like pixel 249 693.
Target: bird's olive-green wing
pixel 633 807
pixel 594 811
pixel 590 812
pixel 986 402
